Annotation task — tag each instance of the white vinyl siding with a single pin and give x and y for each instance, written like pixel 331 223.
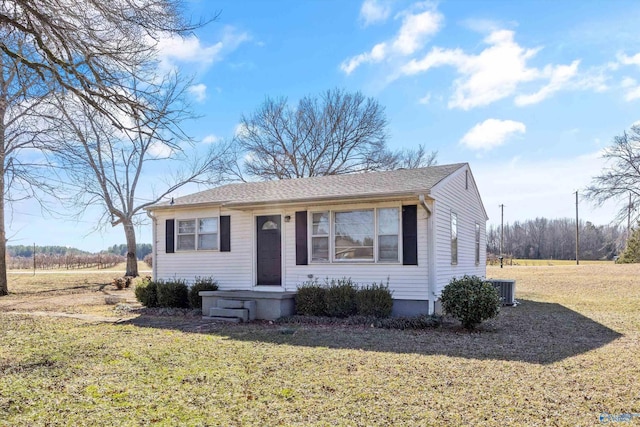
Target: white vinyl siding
pixel 451 196
pixel 232 270
pixel 406 281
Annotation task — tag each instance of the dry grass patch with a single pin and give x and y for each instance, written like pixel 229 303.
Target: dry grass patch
pixel 563 357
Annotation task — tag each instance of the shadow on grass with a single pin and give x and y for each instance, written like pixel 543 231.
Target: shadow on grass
pixel 533 332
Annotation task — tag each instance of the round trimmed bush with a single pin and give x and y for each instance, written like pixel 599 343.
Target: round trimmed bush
pixel 146 293
pixel 470 300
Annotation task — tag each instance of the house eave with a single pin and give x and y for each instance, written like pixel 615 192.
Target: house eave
pixel 295 202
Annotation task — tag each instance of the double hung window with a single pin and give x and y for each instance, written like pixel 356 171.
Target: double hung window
pixel 197 234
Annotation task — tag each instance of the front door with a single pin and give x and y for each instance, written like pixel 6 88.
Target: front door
pixel 269 258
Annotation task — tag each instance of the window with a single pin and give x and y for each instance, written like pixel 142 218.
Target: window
pixel 354 235
pixel 477 243
pixel 320 237
pixel 454 238
pixel 186 235
pixel 206 234
pixel 388 226
pixel 357 235
pixel 466 180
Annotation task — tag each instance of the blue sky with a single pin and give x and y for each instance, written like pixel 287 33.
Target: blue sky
pixel 527 92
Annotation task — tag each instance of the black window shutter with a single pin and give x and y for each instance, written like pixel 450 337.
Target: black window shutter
pixel 225 233
pixel 301 238
pixel 410 235
pixel 169 236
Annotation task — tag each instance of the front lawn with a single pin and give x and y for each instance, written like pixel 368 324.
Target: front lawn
pixel 565 356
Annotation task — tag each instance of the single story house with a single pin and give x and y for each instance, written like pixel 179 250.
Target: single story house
pixel 415 228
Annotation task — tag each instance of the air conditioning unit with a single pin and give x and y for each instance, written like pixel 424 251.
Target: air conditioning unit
pixel 507 290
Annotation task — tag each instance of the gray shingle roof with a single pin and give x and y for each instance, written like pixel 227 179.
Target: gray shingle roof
pixel 359 185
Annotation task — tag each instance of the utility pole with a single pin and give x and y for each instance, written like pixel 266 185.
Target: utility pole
pixel 577 233
pixel 34 259
pixel 501 233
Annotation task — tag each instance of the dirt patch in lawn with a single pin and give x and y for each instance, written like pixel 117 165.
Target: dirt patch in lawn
pixel 74 293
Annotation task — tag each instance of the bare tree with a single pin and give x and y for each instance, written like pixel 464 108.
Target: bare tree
pixel 620 180
pixel 105 166
pixel 91 47
pixel 331 134
pixel 415 158
pixel 21 93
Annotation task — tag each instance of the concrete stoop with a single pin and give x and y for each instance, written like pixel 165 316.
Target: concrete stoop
pixel 233 310
pixel 245 306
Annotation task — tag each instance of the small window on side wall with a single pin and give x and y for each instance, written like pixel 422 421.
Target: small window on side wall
pixel 477 243
pixel 454 238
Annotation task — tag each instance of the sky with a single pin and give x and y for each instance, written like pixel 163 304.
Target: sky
pixel 529 93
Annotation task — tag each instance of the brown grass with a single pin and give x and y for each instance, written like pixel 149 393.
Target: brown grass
pixel 564 356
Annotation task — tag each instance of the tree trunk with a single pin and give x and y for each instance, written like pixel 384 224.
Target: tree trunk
pixel 4 287
pixel 132 260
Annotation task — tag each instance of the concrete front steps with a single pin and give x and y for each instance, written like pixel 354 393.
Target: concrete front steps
pixel 233 310
pixel 243 306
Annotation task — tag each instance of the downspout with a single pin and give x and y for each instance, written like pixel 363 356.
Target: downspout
pixel 430 254
pixel 154 246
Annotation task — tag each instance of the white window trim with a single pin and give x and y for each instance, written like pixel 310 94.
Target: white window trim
pixel 196 234
pixel 331 237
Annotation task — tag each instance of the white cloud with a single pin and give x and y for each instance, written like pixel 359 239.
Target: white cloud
pixel 629 60
pixel 176 49
pixel 498 71
pixel 425 99
pixel 210 139
pixel 493 74
pixel 160 150
pixel 374 11
pixel 377 54
pixel 558 76
pixel 491 133
pixel 199 91
pixel 419 23
pixel 632 89
pixel 415 30
pixel 240 130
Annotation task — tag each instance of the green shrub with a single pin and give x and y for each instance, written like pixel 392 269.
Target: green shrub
pixel 470 300
pixel 341 297
pixel 374 300
pixel 146 293
pixel 311 299
pixel 201 284
pixel 173 293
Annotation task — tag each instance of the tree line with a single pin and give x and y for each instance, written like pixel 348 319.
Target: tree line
pixel 543 238
pixel 70 261
pixel 142 250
